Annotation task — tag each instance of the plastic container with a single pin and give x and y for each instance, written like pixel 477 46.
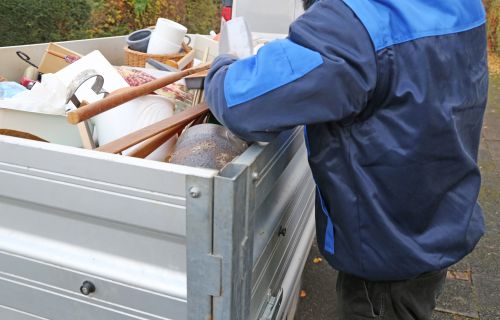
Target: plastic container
pixel 53 128
pixel 139 40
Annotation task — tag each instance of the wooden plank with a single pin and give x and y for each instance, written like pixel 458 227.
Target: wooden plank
pixel 150 145
pixel 180 119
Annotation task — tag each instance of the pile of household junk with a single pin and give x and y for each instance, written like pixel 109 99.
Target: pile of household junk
pixel 151 107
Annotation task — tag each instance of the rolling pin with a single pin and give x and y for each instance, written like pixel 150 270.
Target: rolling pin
pixel 123 95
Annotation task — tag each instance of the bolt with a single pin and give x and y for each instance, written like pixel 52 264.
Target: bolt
pixel 255 176
pixel 282 232
pixel 87 288
pixel 194 192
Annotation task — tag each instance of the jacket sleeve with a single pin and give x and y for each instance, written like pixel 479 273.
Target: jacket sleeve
pixel 324 71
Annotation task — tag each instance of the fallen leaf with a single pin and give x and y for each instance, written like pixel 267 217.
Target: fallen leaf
pixel 457 275
pixel 317 260
pixel 303 294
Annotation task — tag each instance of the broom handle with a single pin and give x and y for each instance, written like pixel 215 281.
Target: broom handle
pixel 123 95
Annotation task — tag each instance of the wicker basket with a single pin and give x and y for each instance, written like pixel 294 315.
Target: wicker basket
pixel 138 59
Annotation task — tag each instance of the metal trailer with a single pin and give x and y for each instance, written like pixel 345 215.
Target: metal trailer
pixel 89 235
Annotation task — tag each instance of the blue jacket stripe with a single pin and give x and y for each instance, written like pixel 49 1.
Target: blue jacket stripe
pixel 329 233
pixel 275 65
pixel 395 22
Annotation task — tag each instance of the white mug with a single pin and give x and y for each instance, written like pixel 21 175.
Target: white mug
pixel 167 37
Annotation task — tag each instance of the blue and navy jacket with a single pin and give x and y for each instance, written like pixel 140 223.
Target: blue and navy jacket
pixel 392 95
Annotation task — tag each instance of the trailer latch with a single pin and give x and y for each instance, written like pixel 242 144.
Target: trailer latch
pixel 87 288
pixel 273 306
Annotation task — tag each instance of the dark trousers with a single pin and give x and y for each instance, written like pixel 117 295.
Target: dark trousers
pixel 413 299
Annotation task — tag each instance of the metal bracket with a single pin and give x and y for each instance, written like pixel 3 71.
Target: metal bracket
pixel 213 271
pixel 273 306
pixel 97 87
pixel 79 80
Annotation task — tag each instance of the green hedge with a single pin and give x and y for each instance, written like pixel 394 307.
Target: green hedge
pixel 35 21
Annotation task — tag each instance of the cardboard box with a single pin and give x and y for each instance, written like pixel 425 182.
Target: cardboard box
pixel 51 63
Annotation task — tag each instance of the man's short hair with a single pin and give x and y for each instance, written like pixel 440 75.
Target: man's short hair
pixel 308 3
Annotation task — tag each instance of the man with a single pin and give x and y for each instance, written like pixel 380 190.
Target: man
pixel 392 95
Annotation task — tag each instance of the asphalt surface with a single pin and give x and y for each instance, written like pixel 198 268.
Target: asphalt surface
pixel 472 290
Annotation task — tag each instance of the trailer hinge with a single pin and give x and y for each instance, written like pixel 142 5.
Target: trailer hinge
pixel 213 275
pixel 272 307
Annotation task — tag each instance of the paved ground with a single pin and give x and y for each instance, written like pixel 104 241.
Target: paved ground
pixel 473 287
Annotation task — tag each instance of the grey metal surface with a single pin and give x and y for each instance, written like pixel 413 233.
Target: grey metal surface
pixel 233 229
pixel 203 268
pixel 158 241
pixel 71 215
pixel 263 201
pixel 13 314
pixel 293 278
pixel 281 218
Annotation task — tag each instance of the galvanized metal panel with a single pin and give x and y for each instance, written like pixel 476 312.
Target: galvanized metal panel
pixel 293 279
pixel 56 280
pixel 73 214
pixel 13 314
pixel 130 173
pixel 203 269
pixel 233 242
pixel 271 268
pixel 288 206
pixel 278 193
pixel 294 180
pixel 69 215
pixel 122 253
pixel 56 306
pixel 267 162
pixel 93 200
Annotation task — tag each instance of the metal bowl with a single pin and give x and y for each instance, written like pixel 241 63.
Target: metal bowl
pixel 207 146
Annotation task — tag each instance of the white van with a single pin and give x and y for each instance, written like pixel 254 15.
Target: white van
pixel 269 16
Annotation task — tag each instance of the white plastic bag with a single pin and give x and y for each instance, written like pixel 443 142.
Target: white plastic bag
pixel 49 97
pixel 10 89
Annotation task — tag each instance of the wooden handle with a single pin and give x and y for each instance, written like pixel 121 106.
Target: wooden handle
pixel 184 61
pixel 128 94
pixel 151 144
pixel 56 54
pixel 20 134
pixel 180 119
